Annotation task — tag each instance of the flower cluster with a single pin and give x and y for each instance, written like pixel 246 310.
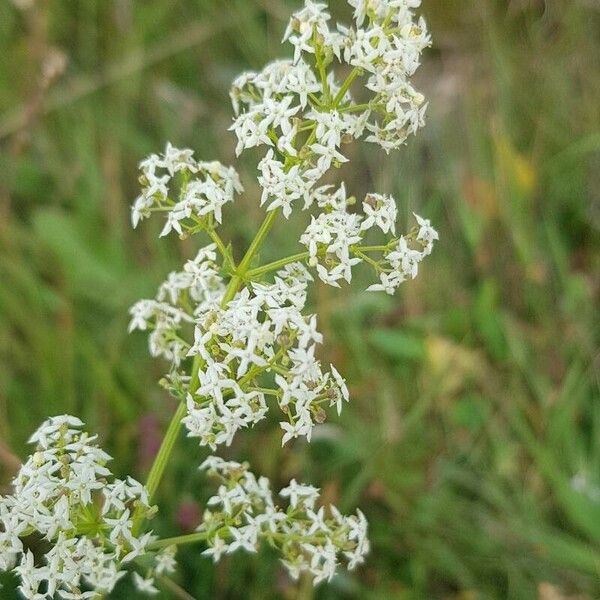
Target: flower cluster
pixel 244 513
pixel 84 518
pixel 184 295
pixel 237 337
pixel 259 346
pixel 199 192
pixel 333 239
pixel 402 261
pixel 306 113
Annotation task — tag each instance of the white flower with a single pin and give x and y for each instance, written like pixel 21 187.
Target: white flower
pixel 381 211
pixel 277 113
pixel 427 234
pixel 282 187
pixel 303 24
pixel 342 390
pixel 244 538
pixel 405 259
pixel 294 430
pixel 332 235
pixel 144 585
pixel 251 130
pixel 299 494
pixel 217 548
pixel 389 283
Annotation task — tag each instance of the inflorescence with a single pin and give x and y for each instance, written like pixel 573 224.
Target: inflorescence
pixel 68 507
pixel 236 335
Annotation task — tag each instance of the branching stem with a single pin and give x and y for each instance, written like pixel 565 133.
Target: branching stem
pixel 162 458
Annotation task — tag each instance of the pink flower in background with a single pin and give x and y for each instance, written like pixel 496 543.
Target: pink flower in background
pixel 188 515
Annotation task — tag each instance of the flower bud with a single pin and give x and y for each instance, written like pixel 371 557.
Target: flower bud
pixel 319 415
pixel 283 339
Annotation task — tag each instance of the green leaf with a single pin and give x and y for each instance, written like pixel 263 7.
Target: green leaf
pixel 398 345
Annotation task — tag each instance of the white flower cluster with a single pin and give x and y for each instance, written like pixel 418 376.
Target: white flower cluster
pixel 200 285
pixel 402 262
pixel 235 333
pixel 201 191
pixel 334 235
pixel 244 513
pixel 306 114
pixel 70 529
pixel 333 240
pixel 258 346
pixel 66 495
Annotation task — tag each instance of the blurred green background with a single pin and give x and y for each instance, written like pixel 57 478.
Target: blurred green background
pixel 473 438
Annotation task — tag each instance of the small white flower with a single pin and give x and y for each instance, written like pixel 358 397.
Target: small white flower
pixel 294 430
pixel 144 585
pixel 217 549
pixel 381 211
pixel 299 494
pixel 427 234
pixel 342 389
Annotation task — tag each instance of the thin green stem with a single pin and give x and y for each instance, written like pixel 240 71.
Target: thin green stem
pixel 372 248
pixel 175 589
pixel 315 100
pixel 356 108
pixel 266 391
pixel 282 262
pixel 253 250
pixel 216 238
pixel 180 540
pixel 160 463
pixel 280 370
pixel 346 86
pixel 367 259
pixel 276 265
pixel 322 70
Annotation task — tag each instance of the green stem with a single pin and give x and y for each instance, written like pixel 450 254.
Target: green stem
pixel 282 262
pixel 367 259
pixel 346 86
pixel 255 246
pixel 214 236
pixel 321 69
pixel 356 108
pixel 278 264
pixel 266 391
pixel 305 588
pixel 176 590
pixel 160 462
pixel 180 540
pixel 372 248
